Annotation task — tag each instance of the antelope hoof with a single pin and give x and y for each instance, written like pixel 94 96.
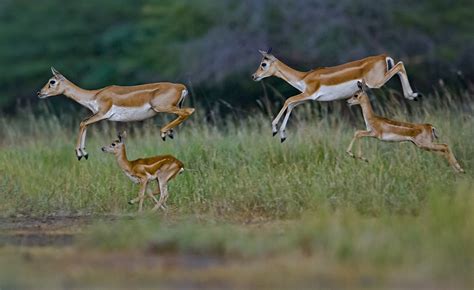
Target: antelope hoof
pixel 363 159
pixel 415 96
pixel 274 129
pixel 163 135
pixel 282 136
pixel 86 156
pixel 78 154
pixel 130 202
pixel 156 207
pixel 171 134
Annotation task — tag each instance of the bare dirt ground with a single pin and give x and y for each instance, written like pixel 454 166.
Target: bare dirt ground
pixel 53 231
pixel 45 253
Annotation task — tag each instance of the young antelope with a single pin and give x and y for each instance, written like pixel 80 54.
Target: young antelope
pixel 161 168
pixel 422 135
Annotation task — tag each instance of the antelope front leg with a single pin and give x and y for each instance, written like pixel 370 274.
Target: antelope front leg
pixel 286 107
pixel 152 194
pixel 291 106
pixel 81 138
pixel 359 152
pixel 141 195
pixel 163 194
pixel 137 199
pixel 358 134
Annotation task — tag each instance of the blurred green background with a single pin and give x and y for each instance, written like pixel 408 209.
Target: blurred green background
pixel 211 46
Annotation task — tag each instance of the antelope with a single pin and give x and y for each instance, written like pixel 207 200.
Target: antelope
pixel 422 135
pixel 161 168
pixel 121 103
pixel 330 83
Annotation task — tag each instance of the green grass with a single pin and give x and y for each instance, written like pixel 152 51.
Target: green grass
pixel 436 245
pixel 248 197
pixel 235 169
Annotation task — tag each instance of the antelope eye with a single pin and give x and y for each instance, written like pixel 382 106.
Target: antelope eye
pixel 52 82
pixel 113 144
pixel 264 64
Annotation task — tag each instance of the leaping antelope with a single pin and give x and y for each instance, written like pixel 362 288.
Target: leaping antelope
pixel 161 168
pixel 330 83
pixel 121 103
pixel 422 135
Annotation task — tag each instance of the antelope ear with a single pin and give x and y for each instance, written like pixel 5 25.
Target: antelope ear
pixel 362 85
pixel 122 136
pixel 56 73
pixel 264 53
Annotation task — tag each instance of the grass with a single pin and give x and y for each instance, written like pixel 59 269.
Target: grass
pixel 234 169
pixel 247 197
pixel 438 244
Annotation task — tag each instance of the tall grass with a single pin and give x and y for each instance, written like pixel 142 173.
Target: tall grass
pixel 302 208
pixel 236 169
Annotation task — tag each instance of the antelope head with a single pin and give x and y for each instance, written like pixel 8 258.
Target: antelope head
pixel 361 95
pixel 117 145
pixel 55 85
pixel 266 67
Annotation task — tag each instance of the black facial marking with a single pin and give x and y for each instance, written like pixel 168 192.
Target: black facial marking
pixel 265 58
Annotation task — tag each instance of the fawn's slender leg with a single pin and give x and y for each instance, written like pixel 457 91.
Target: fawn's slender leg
pixel 163 193
pixel 141 194
pixel 444 150
pixel 358 134
pixel 152 195
pixel 359 151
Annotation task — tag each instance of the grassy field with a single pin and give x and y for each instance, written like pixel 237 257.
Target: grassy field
pixel 249 202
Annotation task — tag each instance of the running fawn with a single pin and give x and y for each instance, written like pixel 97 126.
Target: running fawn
pixel 161 168
pixel 422 135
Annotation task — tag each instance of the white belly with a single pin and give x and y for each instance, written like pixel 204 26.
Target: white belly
pixel 134 179
pixel 393 137
pixel 336 92
pixel 125 114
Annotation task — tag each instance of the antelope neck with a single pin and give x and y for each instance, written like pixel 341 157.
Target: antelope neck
pixel 290 75
pixel 80 95
pixel 122 160
pixel 367 110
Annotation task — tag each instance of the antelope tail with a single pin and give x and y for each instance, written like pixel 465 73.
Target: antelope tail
pixel 434 133
pixel 390 63
pixel 184 93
